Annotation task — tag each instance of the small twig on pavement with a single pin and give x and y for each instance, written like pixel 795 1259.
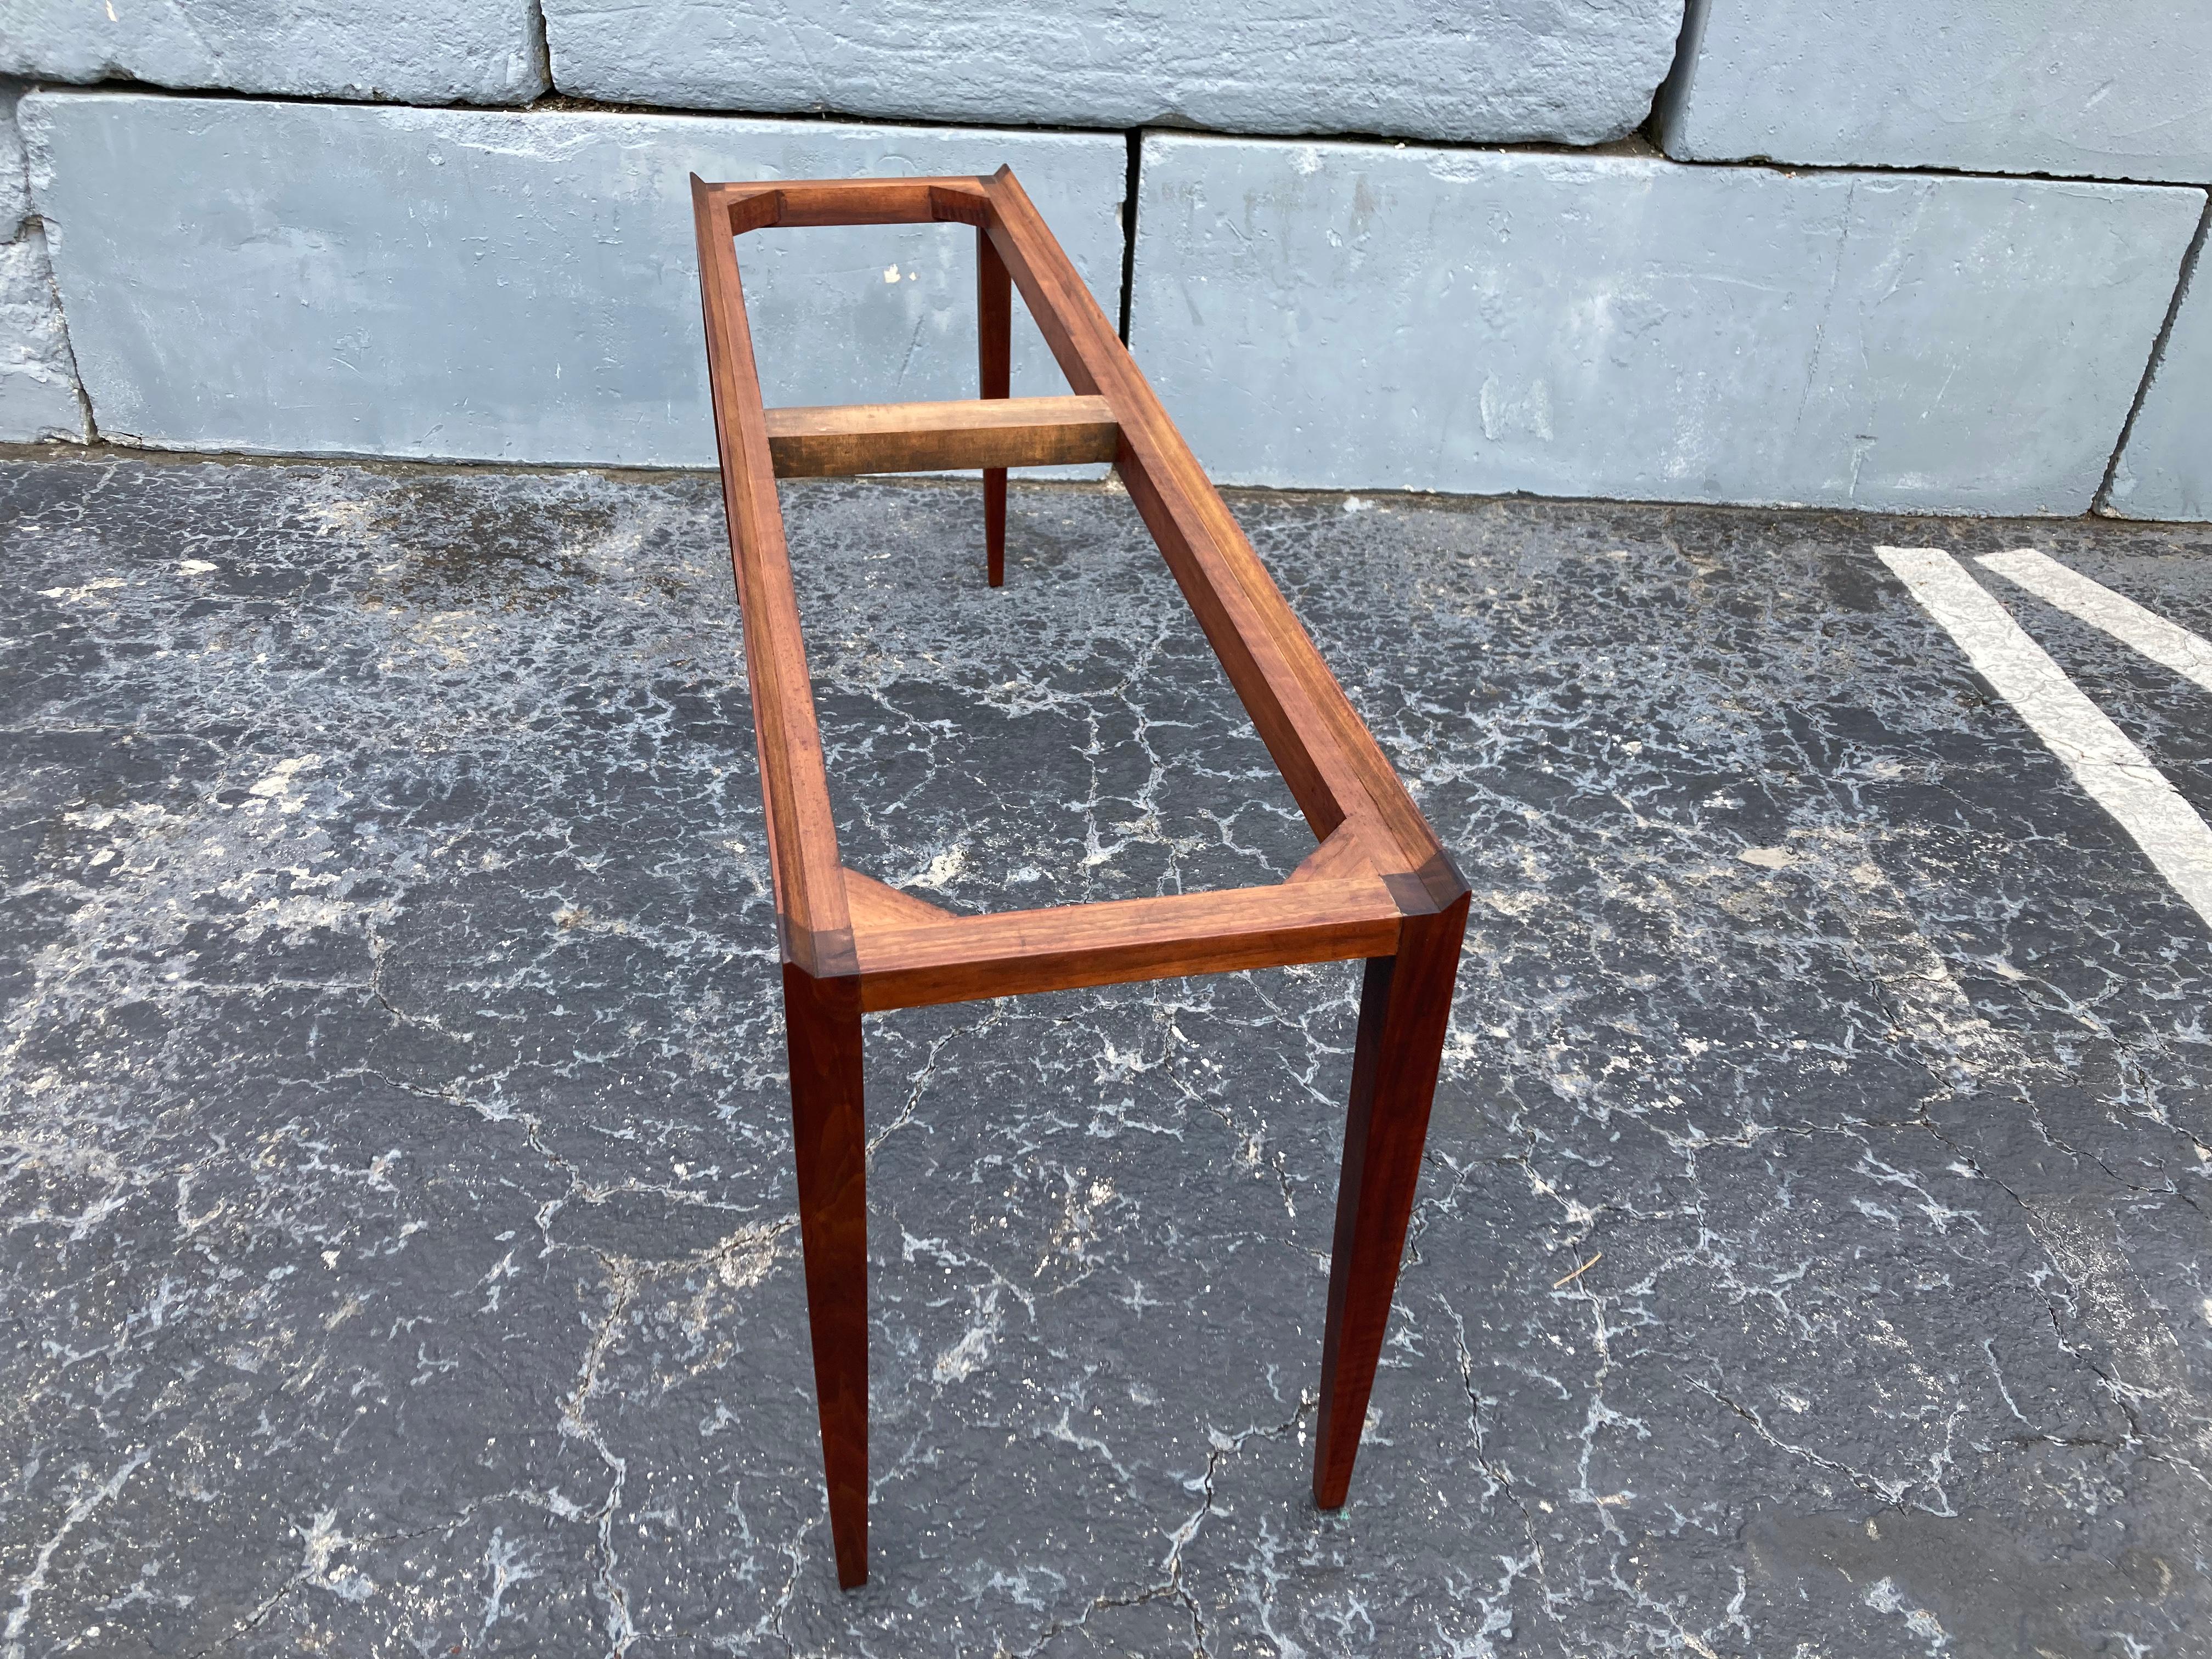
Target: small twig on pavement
pixel 1561 1284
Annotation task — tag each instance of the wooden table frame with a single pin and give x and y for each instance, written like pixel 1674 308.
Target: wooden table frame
pixel 1378 887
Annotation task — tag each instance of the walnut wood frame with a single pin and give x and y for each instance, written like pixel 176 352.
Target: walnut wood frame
pixel 1378 886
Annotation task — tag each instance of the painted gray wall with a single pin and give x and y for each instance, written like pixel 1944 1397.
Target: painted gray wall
pixel 297 277
pixel 38 389
pixel 1364 315
pixel 38 380
pixel 430 52
pixel 304 278
pixel 2118 90
pixel 1481 70
pixel 2165 470
pixel 14 181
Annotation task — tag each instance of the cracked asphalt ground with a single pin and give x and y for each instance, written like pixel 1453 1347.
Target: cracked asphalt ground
pixel 400 1252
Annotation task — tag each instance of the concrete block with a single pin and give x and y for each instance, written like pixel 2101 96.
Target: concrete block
pixel 2166 470
pixel 14 183
pixel 1490 70
pixel 1364 315
pixel 2114 91
pixel 424 51
pixel 303 278
pixel 38 381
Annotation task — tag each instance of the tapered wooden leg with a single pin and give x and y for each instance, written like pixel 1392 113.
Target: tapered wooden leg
pixel 994 314
pixel 1404 1007
pixel 822 1034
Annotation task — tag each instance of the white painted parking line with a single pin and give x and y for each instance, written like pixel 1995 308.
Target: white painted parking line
pixel 2187 655
pixel 2119 776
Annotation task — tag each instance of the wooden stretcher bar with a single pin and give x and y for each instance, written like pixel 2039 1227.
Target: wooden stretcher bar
pixel 825 443
pixel 1379 887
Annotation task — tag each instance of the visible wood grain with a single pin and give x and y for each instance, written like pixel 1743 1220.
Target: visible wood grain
pixel 1405 1007
pixel 829 1131
pixel 878 907
pixel 810 202
pixel 995 324
pixel 1017 952
pixel 810 885
pixel 843 439
pixel 1342 857
pixel 960 201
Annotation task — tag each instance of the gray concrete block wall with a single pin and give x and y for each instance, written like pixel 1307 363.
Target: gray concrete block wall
pixel 2115 92
pixel 1486 72
pixel 320 278
pixel 15 180
pixel 38 386
pixel 1367 315
pixel 2120 90
pixel 167 226
pixel 427 51
pixel 2164 471
pixel 38 396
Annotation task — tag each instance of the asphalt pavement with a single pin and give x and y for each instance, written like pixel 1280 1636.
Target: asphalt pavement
pixel 400 1252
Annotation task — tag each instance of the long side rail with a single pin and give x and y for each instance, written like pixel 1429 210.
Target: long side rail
pixel 1335 768
pixel 809 883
